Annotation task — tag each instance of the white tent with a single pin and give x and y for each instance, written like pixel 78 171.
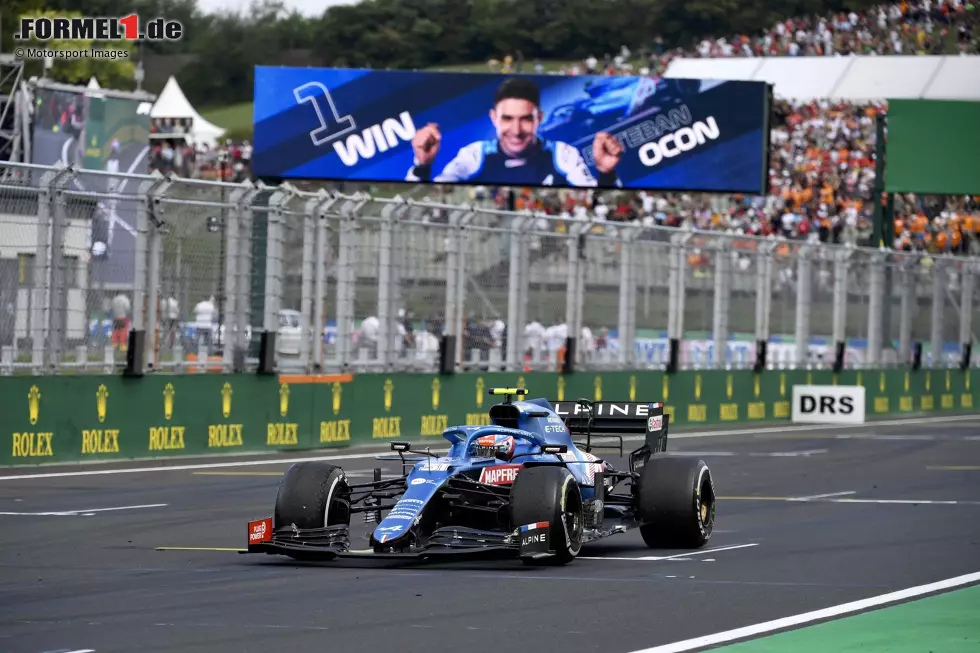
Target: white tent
pixel 172 103
pixel 93 84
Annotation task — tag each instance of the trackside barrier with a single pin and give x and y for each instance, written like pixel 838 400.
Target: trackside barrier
pixel 53 419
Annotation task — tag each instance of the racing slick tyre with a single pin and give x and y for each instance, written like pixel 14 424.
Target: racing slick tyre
pixel 550 494
pixel 312 495
pixel 676 503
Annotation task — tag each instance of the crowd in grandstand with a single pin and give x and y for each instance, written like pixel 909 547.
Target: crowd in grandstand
pixel 228 161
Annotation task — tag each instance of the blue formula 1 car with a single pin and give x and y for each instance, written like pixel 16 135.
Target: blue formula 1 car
pixel 520 487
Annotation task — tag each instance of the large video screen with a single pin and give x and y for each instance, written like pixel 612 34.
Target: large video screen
pixel 511 130
pixel 92 132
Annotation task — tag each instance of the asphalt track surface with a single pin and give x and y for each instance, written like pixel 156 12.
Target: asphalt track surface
pixel 88 578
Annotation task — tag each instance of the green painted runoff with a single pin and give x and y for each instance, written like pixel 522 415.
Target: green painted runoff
pixel 947 623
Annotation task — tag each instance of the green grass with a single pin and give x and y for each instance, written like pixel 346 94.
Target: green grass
pixel 237 118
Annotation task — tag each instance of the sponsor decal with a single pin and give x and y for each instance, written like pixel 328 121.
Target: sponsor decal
pixel 281 434
pixel 537 537
pixel 99 441
pixel 428 466
pixel 337 430
pixel 224 435
pixel 607 409
pixel 386 427
pixel 500 474
pixel 166 438
pixel 434 424
pixel 655 423
pixel 260 531
pixel 418 481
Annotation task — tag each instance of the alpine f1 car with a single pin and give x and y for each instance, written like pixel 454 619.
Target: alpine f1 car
pixel 520 487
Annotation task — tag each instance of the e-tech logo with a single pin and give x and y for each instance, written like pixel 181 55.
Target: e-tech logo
pixel 125 28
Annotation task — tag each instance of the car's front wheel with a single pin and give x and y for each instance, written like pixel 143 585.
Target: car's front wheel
pixel 550 494
pixel 312 495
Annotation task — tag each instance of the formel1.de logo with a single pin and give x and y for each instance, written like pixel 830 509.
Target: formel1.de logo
pixel 112 28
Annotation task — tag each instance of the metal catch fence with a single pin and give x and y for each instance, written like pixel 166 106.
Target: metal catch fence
pixel 354 283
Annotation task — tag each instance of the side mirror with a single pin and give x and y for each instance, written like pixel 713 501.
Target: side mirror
pixel 400 446
pixel 554 448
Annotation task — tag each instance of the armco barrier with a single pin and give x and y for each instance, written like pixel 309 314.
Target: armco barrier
pixel 52 419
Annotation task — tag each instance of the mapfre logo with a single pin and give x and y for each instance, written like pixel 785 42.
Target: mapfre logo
pixel 500 474
pixel 259 531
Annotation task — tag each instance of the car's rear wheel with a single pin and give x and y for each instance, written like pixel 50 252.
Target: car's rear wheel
pixel 550 494
pixel 676 502
pixel 312 495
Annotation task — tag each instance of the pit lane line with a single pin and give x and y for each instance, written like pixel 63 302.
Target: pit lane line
pixel 816 615
pixel 676 436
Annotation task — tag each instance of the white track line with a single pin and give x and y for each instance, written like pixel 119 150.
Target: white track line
pixel 677 555
pixel 824 496
pixel 789 454
pixel 62 513
pixel 816 615
pixel 679 436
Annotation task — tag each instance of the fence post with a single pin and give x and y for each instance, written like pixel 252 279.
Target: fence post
pixel 966 306
pixel 41 299
pixel 722 297
pixel 877 306
pixel 575 292
pixel 627 296
pixel 324 202
pixel 676 280
pixel 235 291
pixel 763 300
pixel 517 293
pixel 273 271
pixel 455 281
pixel 58 295
pixel 152 192
pixel 306 279
pixel 388 279
pixel 347 277
pixel 938 304
pixel 804 284
pixel 841 268
pixel 910 300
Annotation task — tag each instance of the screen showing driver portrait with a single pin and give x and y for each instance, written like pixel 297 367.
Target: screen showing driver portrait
pixel 518 155
pixel 577 131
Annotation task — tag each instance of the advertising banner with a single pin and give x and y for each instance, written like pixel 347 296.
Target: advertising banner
pixel 932 147
pixel 513 130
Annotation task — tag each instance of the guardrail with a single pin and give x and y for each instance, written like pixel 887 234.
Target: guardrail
pixel 352 283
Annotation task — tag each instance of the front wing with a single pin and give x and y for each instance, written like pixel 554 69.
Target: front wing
pixel 333 542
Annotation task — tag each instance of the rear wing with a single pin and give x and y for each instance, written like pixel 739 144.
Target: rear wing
pixel 616 418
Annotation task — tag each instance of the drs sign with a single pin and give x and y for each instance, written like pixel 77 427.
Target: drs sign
pixel 828 404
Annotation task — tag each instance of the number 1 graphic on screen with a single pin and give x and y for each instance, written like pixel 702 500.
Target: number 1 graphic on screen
pixel 332 126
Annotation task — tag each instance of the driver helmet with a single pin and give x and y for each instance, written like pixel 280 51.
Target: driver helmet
pixel 494 446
